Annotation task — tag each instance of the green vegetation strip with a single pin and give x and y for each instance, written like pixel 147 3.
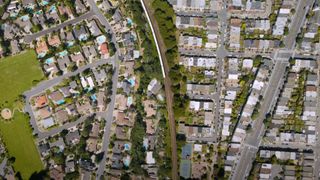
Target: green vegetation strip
pixel 165 15
pixel 147 69
pixel 18 74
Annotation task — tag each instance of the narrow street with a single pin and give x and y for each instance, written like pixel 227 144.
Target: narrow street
pixel 30 38
pixel 247 154
pixel 50 83
pixel 222 53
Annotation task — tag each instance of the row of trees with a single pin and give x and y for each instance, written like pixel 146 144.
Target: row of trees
pixel 164 14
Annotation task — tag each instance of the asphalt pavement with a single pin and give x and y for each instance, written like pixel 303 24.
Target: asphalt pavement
pixel 281 58
pixel 253 139
pixel 222 53
pixel 109 116
pixel 297 22
pixel 30 38
pixel 109 119
pixel 3 166
pixel 41 87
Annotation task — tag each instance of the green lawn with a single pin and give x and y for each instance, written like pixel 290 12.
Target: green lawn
pixel 18 74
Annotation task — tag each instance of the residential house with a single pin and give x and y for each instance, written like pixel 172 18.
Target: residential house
pixel 154 87
pixel 72 138
pixel 41 101
pixel 57 98
pixel 63 63
pixel 81 33
pixel 54 40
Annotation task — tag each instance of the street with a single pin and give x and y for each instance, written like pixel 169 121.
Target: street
pixel 253 139
pixel 30 38
pixel 41 87
pixel 243 167
pixel 222 53
pixel 107 115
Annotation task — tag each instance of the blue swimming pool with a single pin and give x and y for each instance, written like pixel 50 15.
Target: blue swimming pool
pixel 101 39
pixel 41 55
pixel 83 37
pixel 132 82
pixel 44 2
pixel 60 102
pixel 126 161
pixel 39 12
pixel 70 43
pixel 63 53
pixel 49 60
pixel 130 22
pixel 53 9
pixel 25 18
pixel 129 101
pixel 126 147
pixel 93 97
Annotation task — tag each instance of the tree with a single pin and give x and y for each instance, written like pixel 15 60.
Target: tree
pixel 43 174
pixel 221 172
pixel 99 157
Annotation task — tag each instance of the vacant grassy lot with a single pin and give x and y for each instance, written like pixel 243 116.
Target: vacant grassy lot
pixel 18 74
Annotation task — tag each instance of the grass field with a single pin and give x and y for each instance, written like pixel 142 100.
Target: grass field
pixel 18 74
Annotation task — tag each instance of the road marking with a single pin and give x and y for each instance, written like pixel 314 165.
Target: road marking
pixel 155 38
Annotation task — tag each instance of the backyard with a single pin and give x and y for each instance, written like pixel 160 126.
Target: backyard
pixel 18 74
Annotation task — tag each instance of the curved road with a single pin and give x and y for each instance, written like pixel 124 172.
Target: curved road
pixel 167 83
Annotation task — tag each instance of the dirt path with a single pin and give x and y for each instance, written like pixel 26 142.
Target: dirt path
pixel 169 94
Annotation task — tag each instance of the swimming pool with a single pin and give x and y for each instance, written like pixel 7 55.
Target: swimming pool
pixel 49 60
pixel 132 81
pixel 60 102
pixel 63 53
pixel 70 43
pixel 129 101
pixel 101 39
pixel 145 143
pixel 93 97
pixel 126 147
pixel 43 3
pixel 39 12
pixel 130 22
pixel 126 161
pixel 53 9
pixel 83 37
pixel 25 17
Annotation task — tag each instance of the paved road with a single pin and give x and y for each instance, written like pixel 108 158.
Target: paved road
pixel 167 84
pixel 253 139
pixel 2 167
pixel 288 146
pixel 103 20
pixel 50 83
pixel 57 130
pixel 109 115
pixel 109 119
pixel 297 22
pixel 222 53
pixel 45 85
pixel 30 38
